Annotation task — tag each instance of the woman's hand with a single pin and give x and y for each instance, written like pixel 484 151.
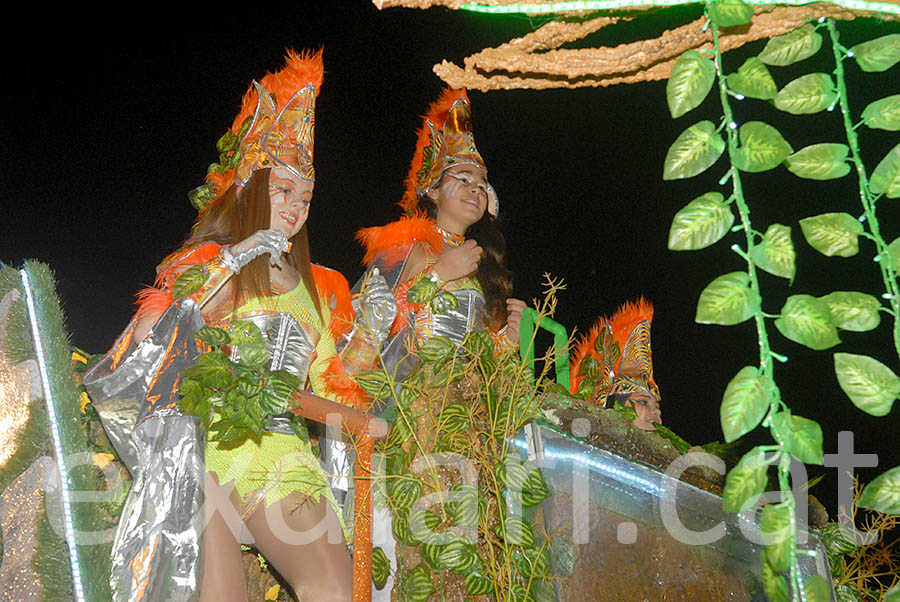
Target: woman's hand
pixel 271 241
pixel 514 321
pixel 456 262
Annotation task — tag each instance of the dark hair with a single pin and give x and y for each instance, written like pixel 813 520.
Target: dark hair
pixel 494 277
pixel 237 214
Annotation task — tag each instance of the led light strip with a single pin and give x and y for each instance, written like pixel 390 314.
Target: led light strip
pixel 601 467
pixel 596 5
pixel 57 442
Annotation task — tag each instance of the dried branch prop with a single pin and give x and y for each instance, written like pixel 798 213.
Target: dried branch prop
pixel 537 61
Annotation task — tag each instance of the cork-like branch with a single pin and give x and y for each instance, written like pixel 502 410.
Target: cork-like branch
pixel 537 61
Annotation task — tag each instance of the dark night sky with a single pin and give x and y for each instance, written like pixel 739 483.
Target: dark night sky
pixel 109 126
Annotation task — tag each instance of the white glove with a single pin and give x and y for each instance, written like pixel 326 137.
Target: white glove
pixel 271 241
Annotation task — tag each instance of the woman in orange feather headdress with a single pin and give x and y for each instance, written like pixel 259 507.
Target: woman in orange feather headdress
pixel 613 363
pixel 246 262
pixel 444 258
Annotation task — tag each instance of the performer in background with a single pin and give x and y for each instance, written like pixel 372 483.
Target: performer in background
pixel 614 362
pixel 445 258
pixel 252 245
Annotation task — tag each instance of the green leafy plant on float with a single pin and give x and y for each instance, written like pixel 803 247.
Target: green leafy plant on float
pixel 467 517
pixel 752 397
pixel 234 398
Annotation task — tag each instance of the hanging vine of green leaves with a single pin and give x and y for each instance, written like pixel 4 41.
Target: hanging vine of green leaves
pixel 752 398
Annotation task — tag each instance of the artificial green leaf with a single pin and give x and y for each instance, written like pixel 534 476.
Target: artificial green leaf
pixel 693 152
pixel 801 437
pixel 792 47
pixel 762 148
pixel 870 385
pixel 245 332
pixel 807 320
pixel 879 54
pixel 883 493
pixel 189 281
pixel 727 300
pixel 479 343
pixel 422 291
pixel 807 94
pixel 373 382
pixel 727 13
pixel 753 80
pixel 255 356
pixel 381 567
pixel 832 234
pixel 892 595
pixel 773 583
pixel 690 82
pixel 701 223
pixel 893 255
pixel 677 442
pixel 825 161
pixel 854 311
pixel 775 523
pixel 745 402
pixel 210 371
pixel 435 349
pixel 775 254
pixel 883 114
pixel 849 592
pixel 746 481
pixel 214 337
pixel 817 589
pixel 886 177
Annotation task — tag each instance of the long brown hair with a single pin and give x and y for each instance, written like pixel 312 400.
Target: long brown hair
pixel 237 214
pixel 495 278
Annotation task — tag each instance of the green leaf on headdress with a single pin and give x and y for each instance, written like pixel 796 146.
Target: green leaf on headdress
pixel 854 311
pixel 702 222
pixel 690 82
pixel 746 481
pixel 807 320
pixel 801 437
pixel 728 13
pixel 807 94
pixel 883 493
pixel 886 177
pixel 693 152
pixel 753 80
pixel 879 54
pixel 228 142
pixel 883 114
pixel 775 254
pixel 870 385
pixel 762 148
pixel 201 196
pixel 775 524
pixel 745 402
pixel 832 233
pixel 825 161
pixel 727 300
pixel 791 47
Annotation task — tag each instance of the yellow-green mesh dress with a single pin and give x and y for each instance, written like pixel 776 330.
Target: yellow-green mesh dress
pixel 278 464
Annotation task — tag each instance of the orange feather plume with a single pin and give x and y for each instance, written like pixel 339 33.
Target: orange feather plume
pixel 392 241
pixel 333 288
pixel 300 70
pixel 629 315
pixel 436 114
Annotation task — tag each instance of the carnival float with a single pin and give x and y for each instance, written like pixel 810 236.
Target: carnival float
pixel 526 472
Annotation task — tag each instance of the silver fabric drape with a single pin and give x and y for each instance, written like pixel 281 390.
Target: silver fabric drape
pixel 134 388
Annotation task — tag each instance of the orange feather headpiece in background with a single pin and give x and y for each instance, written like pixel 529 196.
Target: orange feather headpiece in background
pixel 615 356
pixel 275 127
pixel 444 140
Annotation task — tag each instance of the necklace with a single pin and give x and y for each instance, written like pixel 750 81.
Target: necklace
pixel 450 238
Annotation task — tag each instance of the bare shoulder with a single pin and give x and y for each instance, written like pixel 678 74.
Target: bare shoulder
pixel 415 263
